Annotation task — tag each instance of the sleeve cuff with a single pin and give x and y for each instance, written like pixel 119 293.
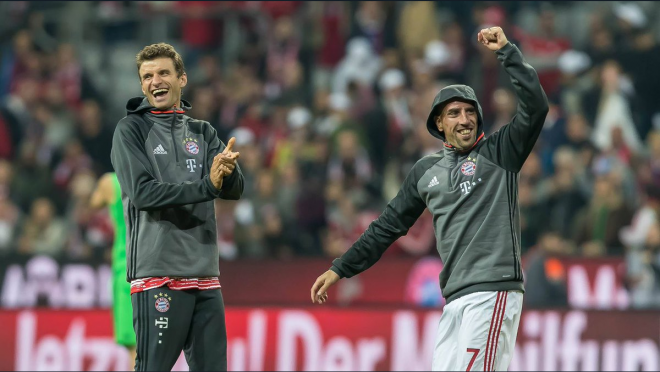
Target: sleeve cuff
pixel 337 271
pixel 211 189
pixel 506 49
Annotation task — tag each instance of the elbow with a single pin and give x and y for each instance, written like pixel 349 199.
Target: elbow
pixel 234 194
pixel 545 107
pixel 235 191
pixel 141 200
pixel 541 108
pixel 141 203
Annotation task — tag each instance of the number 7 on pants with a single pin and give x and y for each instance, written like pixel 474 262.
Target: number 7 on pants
pixel 474 352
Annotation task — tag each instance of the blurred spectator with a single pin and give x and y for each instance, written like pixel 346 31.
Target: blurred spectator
pixel 457 45
pixel 601 39
pixel 31 179
pixel 645 217
pixel 610 108
pixel 9 213
pixel 653 160
pixel 374 21
pixel 360 64
pixel 74 160
pixel 90 231
pixel 504 105
pixel 95 135
pixel 56 130
pixel 17 108
pixel 117 27
pixel 282 53
pixel 331 25
pixel 15 60
pixel 349 163
pixel 574 80
pixel 266 226
pixel 68 75
pixel 10 218
pixel 638 52
pixel 598 224
pixel 552 136
pixel 345 224
pixel 543 49
pixel 532 216
pixel 642 240
pixel 295 146
pixel 545 274
pixel 390 121
pixel 578 134
pixel 293 89
pixel 561 194
pixel 7 146
pixel 42 232
pixel 251 158
pixel 6 175
pixel 199 29
pixel 417 25
pixel 224 216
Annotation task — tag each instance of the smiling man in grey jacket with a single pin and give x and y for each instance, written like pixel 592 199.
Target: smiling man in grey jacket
pixel 471 188
pixel 171 168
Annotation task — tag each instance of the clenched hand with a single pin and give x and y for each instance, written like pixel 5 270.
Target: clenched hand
pixel 492 38
pixel 224 164
pixel 321 285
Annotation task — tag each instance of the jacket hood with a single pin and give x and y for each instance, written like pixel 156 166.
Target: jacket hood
pixel 449 94
pixel 139 105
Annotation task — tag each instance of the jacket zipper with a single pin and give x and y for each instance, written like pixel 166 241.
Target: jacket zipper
pixel 176 151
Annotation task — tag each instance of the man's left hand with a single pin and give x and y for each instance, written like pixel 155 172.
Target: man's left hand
pixel 492 38
pixel 226 160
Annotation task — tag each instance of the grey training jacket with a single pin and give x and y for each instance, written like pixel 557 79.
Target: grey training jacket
pixel 473 196
pixel 162 160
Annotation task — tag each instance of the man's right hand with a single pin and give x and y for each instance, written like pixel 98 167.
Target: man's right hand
pixel 320 287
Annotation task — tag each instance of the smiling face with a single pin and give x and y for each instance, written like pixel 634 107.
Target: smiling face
pixel 458 122
pixel 160 83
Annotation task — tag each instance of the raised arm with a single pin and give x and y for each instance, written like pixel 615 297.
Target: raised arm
pixel 510 146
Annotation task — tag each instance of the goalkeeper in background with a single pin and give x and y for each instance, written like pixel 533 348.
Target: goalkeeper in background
pixel 108 194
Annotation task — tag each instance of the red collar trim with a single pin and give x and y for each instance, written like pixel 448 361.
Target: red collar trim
pixel 167 112
pixel 475 142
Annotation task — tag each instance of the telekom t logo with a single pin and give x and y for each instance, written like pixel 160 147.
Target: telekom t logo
pixel 466 187
pixel 191 164
pixel 162 322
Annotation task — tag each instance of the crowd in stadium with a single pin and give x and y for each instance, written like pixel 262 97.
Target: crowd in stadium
pixel 328 103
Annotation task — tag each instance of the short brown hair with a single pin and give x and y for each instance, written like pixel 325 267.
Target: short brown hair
pixel 160 50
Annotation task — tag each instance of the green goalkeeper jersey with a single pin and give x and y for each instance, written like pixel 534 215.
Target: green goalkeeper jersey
pixel 116 211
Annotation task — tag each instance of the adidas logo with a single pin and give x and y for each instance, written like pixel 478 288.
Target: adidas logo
pixel 159 150
pixel 434 182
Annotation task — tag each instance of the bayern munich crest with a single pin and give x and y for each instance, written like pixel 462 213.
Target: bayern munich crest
pixel 192 147
pixel 162 302
pixel 468 168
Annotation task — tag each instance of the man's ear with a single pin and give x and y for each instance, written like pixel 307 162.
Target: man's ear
pixel 438 122
pixel 184 80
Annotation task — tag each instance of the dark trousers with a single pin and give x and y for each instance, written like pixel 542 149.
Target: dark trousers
pixel 168 321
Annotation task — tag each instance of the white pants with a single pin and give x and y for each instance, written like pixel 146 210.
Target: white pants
pixel 477 332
